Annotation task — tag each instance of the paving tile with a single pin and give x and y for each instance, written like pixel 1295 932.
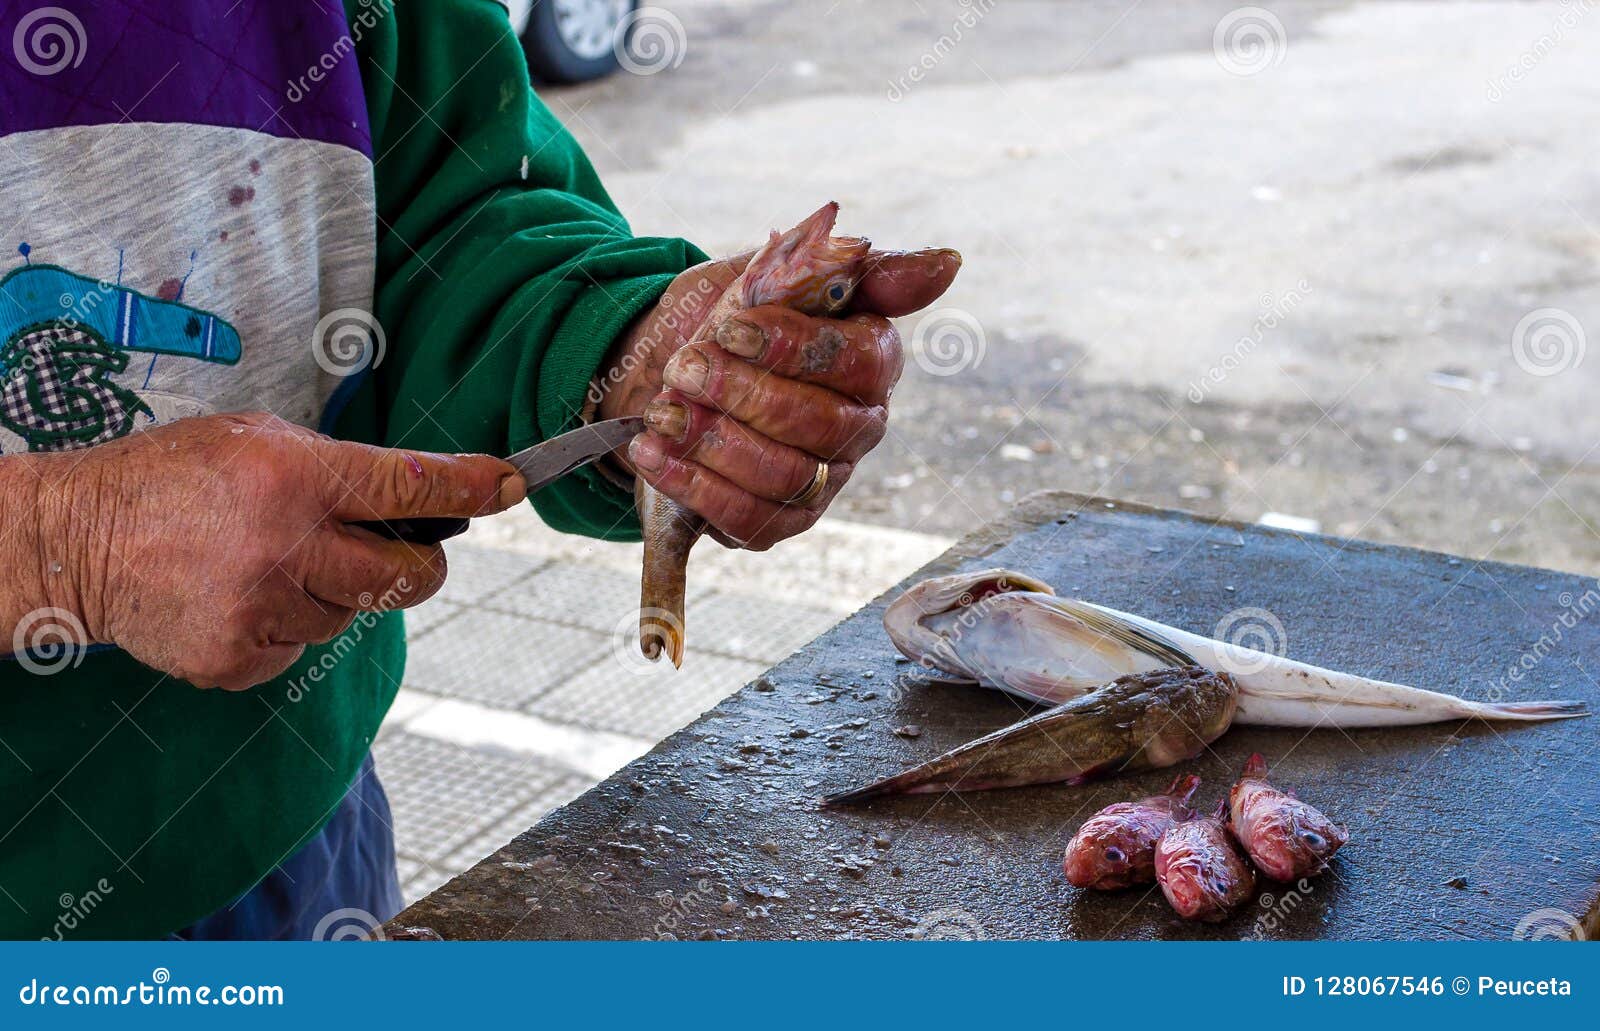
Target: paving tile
pixel 418 878
pixel 586 595
pixel 443 795
pixel 477 574
pixel 613 695
pixel 428 616
pixel 753 628
pixel 557 794
pixel 500 659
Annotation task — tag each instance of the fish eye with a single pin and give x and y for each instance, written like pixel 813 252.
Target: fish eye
pixel 1114 854
pixel 837 292
pixel 1312 838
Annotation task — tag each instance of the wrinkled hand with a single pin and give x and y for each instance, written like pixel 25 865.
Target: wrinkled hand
pixel 738 430
pixel 216 548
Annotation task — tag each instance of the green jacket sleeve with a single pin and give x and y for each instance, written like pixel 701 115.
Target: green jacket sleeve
pixel 504 271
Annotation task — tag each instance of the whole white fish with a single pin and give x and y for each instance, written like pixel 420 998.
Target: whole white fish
pixel 1007 630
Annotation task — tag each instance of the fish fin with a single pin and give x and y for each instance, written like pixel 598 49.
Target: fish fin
pixel 1036 687
pixel 1089 776
pixel 1533 711
pixel 1255 766
pixel 1183 787
pixel 1124 632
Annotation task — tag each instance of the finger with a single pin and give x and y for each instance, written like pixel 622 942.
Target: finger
pixel 264 663
pixel 387 483
pixel 898 283
pixel 281 611
pixel 307 620
pixel 751 522
pixel 358 570
pixel 803 415
pixel 747 459
pixel 859 356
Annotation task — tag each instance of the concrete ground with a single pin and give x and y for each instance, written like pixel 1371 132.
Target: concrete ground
pixel 1329 261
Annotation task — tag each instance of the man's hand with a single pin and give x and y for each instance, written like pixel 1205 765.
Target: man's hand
pixel 217 548
pixel 738 431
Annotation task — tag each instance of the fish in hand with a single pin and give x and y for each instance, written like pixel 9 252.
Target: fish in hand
pixel 1141 721
pixel 1285 837
pixel 807 269
pixel 1010 631
pixel 1200 870
pixel 1116 847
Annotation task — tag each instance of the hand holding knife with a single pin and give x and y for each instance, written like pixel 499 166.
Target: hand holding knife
pixel 540 465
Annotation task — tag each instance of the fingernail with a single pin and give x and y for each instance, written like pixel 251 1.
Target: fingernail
pixel 668 418
pixel 742 338
pixel 646 454
pixel 512 490
pixel 948 258
pixel 688 371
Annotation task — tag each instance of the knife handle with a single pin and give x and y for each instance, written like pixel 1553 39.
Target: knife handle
pixel 422 530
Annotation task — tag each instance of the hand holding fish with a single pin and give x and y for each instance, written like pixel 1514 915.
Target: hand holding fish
pixel 742 403
pixel 763 379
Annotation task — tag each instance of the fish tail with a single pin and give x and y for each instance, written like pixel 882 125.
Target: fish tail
pixel 1532 711
pixel 669 533
pixel 899 784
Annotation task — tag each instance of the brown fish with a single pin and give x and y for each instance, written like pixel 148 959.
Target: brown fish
pixel 1286 838
pixel 1200 870
pixel 1116 847
pixel 1138 722
pixel 807 269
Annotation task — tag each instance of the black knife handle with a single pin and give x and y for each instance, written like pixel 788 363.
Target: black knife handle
pixel 422 530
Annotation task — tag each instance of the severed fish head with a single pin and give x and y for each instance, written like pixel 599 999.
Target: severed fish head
pixel 926 621
pixel 1287 838
pixel 808 268
pixel 1007 630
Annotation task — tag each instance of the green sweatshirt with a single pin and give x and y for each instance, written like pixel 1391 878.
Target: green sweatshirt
pixel 474 228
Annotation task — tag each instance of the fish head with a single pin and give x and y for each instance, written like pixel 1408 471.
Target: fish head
pixel 906 619
pixel 808 268
pixel 1294 839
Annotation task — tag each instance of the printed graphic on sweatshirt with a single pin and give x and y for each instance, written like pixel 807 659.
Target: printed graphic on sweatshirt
pixel 68 345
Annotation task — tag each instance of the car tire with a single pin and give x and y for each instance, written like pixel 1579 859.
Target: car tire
pixel 573 40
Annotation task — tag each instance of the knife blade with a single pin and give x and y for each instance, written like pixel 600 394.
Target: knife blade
pixel 541 465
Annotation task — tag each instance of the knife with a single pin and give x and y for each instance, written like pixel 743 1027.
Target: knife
pixel 541 465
